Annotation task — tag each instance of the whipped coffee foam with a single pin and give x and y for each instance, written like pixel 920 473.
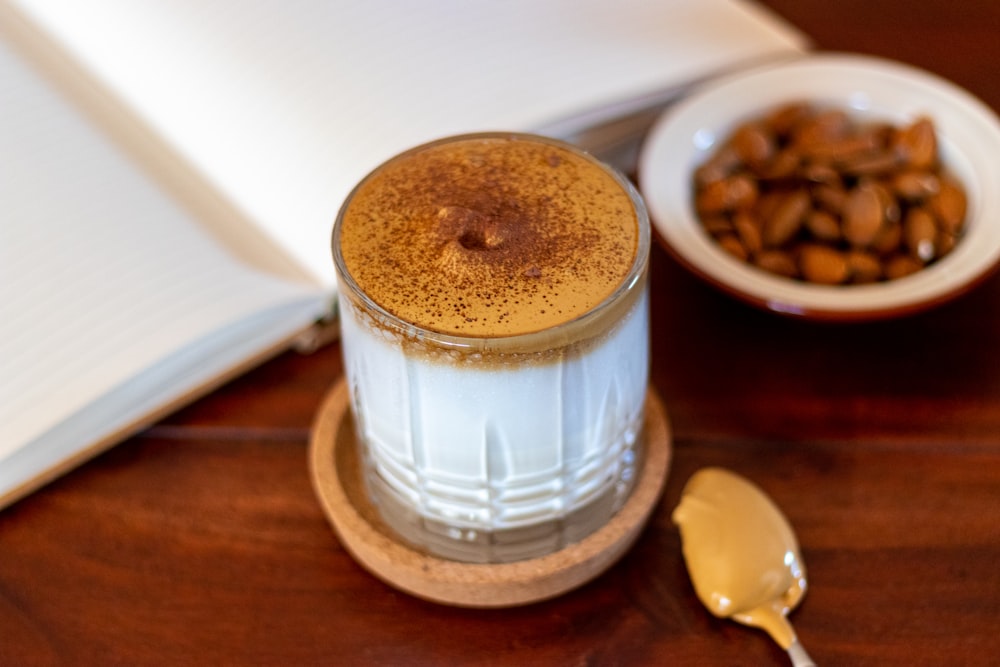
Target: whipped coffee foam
pixel 496 349
pixel 489 237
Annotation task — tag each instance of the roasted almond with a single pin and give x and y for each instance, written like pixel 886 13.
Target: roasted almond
pixel 786 220
pixel 917 144
pixel 717 225
pixel 920 234
pixel 863 266
pixel 889 238
pixel 846 148
pixel 785 118
pixel 823 225
pixel 830 197
pixel 748 230
pixel 731 244
pixel 778 262
pixel 784 164
pixel 915 184
pixel 728 194
pixel 719 166
pixel 864 215
pixel 899 266
pixel 754 144
pixel 949 206
pixel 870 164
pixel 821 128
pixel 823 264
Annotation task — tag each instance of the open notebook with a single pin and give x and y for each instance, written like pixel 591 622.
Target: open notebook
pixel 171 169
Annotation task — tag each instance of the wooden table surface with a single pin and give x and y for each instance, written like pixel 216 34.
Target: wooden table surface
pixel 201 541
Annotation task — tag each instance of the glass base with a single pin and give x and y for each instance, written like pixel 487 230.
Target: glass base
pixel 472 544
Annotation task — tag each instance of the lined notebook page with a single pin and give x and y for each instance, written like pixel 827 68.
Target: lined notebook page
pixel 101 274
pixel 284 106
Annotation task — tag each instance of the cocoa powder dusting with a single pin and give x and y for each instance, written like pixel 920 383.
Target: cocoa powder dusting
pixel 489 236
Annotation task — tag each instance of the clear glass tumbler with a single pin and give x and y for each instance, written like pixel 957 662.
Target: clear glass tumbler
pixel 493 447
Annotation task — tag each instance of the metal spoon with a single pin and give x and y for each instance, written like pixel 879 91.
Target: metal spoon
pixel 742 555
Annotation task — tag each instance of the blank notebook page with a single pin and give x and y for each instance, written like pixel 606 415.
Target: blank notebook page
pixel 101 274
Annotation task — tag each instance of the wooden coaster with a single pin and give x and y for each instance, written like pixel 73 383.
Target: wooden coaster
pixel 336 476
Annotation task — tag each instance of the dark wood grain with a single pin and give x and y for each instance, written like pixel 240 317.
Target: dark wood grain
pixel 200 541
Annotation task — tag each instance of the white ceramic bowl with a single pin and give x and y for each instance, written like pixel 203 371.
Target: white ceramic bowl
pixel 968 137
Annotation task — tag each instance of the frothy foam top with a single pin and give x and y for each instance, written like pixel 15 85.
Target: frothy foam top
pixel 489 236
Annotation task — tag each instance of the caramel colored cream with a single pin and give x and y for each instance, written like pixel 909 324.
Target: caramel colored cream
pixel 468 240
pixel 741 553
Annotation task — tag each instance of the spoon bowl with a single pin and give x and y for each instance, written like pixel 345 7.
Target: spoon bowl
pixel 742 555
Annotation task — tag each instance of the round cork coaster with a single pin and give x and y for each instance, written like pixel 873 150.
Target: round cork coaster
pixel 336 476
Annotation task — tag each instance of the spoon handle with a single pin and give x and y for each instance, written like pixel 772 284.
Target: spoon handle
pixel 799 656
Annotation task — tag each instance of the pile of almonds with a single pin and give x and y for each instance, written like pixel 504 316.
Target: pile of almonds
pixel 809 194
